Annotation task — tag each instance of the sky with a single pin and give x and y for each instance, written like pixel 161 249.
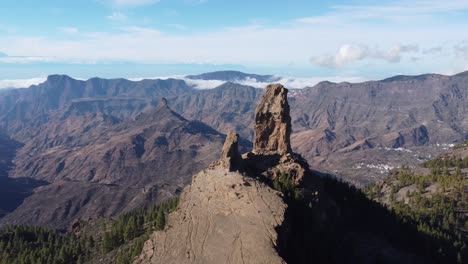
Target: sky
pixel 302 40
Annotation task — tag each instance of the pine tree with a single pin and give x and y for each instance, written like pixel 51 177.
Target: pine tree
pixel 106 245
pixel 160 219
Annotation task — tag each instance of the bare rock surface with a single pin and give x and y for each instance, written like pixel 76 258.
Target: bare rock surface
pixel 223 217
pixel 273 122
pixel 230 157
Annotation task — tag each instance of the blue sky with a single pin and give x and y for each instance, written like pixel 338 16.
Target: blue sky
pixel 337 40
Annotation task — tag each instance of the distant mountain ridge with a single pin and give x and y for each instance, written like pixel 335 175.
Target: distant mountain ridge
pixel 233 76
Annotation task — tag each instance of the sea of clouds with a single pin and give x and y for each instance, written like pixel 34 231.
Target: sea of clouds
pixel 290 82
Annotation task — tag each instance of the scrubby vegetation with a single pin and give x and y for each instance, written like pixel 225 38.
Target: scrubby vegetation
pixel 286 185
pixel 35 245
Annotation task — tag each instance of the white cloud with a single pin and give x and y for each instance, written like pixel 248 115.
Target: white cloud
pixel 348 54
pixel 21 83
pixel 204 84
pixel 117 16
pixel 289 82
pixel 28 59
pixel 132 3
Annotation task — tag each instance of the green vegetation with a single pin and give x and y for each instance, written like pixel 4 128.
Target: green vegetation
pixel 438 211
pixel 35 245
pixel 22 244
pixel 287 186
pixel 353 229
pixel 342 231
pixel 438 165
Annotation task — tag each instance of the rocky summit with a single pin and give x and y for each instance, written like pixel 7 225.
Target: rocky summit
pixel 268 206
pixel 228 215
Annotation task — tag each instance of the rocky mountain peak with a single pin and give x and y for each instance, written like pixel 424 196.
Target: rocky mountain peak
pixel 272 122
pixel 227 215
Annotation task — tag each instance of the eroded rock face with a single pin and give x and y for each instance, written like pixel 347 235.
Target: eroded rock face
pixel 273 122
pixel 223 217
pixel 230 157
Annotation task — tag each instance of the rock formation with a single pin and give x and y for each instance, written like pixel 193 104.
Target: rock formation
pixel 273 122
pixel 230 157
pixel 230 214
pixel 271 156
pixel 232 217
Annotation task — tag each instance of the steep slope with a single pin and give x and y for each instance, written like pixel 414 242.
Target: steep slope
pixel 8 148
pixel 123 165
pixel 12 191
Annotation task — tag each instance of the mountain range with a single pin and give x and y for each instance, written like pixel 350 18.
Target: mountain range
pixel 72 146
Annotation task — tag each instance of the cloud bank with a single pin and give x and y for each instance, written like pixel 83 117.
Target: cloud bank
pixel 348 54
pixel 21 83
pixel 290 82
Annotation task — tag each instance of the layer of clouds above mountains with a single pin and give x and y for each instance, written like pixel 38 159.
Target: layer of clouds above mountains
pixel 293 83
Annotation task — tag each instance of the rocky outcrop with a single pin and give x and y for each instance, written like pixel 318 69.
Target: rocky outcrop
pixel 223 217
pixel 273 122
pixel 229 217
pixel 272 156
pixel 230 157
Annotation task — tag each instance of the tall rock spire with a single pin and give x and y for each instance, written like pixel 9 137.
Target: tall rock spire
pixel 230 157
pixel 273 122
